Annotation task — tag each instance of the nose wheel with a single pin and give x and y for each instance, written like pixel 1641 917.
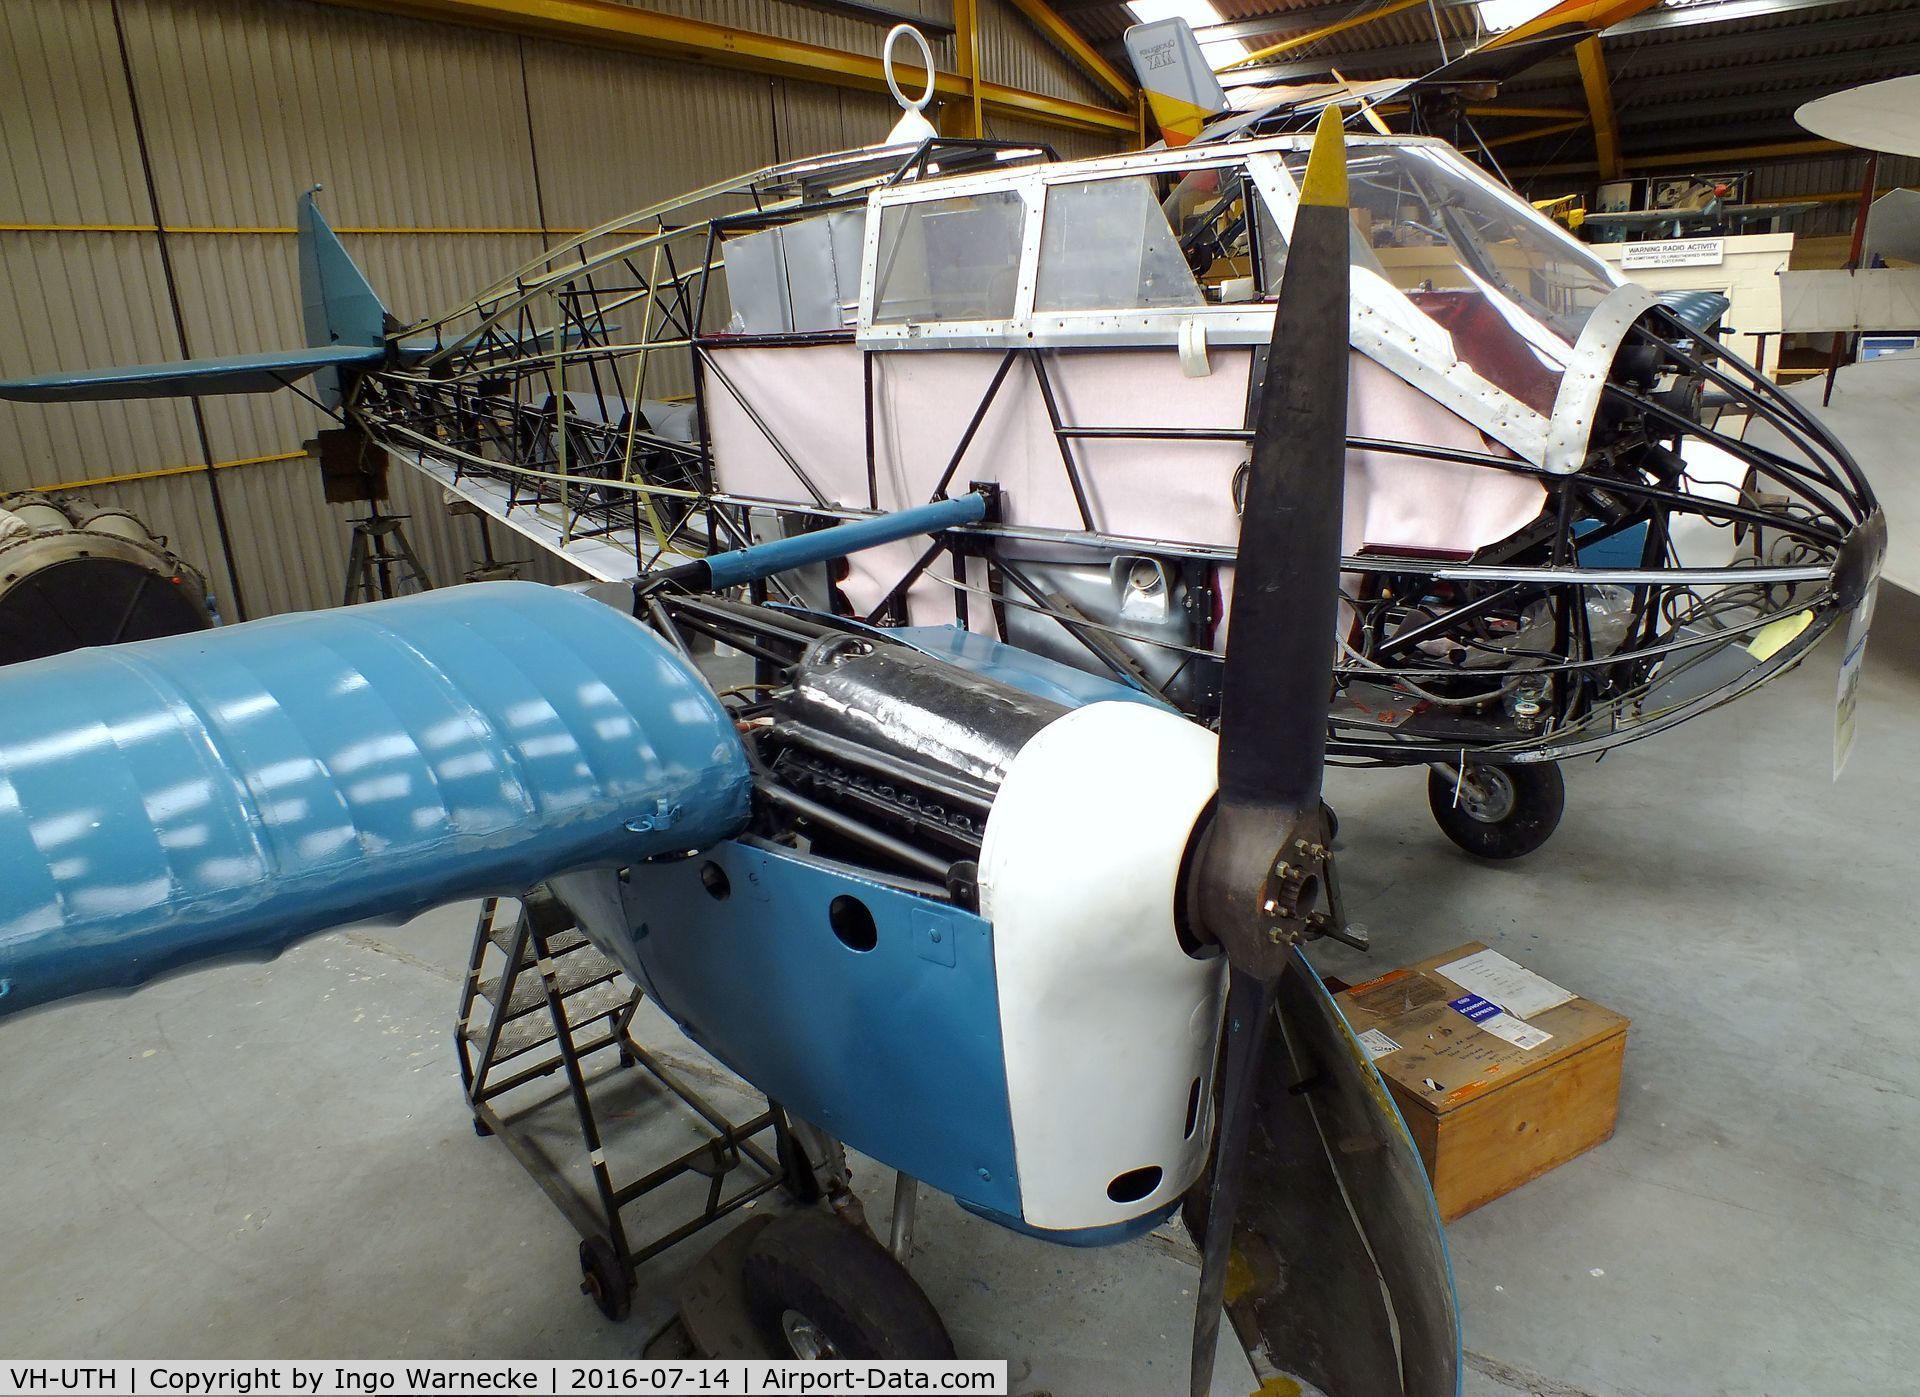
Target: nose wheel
pixel 819 1288
pixel 1497 812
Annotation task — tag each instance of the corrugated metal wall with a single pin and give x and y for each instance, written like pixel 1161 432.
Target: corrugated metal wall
pixel 1830 174
pixel 1012 53
pixel 1068 145
pixel 449 156
pixel 810 24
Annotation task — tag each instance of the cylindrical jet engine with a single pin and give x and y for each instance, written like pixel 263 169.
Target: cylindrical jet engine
pixel 72 575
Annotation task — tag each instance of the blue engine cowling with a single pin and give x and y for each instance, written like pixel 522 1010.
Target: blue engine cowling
pixel 224 794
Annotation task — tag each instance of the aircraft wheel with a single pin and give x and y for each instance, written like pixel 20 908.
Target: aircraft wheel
pixel 1503 811
pixel 604 1278
pixel 819 1288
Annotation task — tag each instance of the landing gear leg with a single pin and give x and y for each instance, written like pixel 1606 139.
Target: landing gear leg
pixel 1497 812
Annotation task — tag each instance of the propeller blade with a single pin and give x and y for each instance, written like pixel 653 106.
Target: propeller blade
pixel 1257 874
pixel 1258 870
pixel 1273 709
pixel 1249 1012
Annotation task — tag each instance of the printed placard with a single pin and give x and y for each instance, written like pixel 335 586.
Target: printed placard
pixel 1377 1044
pixel 1506 982
pixel 1497 1021
pixel 1674 252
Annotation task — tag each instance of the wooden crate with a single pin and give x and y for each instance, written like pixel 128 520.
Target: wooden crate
pixel 1488 1114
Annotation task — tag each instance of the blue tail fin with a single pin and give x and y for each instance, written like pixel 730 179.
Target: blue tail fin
pixel 337 303
pixel 345 322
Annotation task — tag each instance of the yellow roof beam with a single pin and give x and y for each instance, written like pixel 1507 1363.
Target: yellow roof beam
pixel 1043 18
pixel 1599 90
pixel 605 25
pixel 1538 113
pixel 1534 133
pixel 964 118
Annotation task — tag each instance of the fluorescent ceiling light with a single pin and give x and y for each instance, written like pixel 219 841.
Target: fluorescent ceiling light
pixel 1501 15
pixel 1199 14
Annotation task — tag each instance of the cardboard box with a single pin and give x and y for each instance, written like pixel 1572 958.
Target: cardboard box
pixel 1501 1075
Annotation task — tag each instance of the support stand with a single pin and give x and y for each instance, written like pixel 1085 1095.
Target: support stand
pixel 555 1001
pixel 380 547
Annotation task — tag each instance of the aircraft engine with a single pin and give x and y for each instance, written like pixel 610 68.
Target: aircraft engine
pixel 1004 944
pixel 72 575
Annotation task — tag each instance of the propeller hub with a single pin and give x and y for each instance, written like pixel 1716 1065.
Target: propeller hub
pixel 1266 871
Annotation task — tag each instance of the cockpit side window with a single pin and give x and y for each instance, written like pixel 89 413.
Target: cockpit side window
pixel 1436 229
pixel 1106 245
pixel 1212 210
pixel 949 259
pixel 1272 246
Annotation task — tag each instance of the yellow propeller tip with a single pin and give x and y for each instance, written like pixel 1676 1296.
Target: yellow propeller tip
pixel 1325 182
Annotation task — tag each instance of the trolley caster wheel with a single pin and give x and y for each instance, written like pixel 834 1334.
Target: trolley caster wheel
pixel 604 1278
pixel 1503 812
pixel 481 1128
pixel 818 1288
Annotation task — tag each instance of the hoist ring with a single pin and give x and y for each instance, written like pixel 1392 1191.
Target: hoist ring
pixel 926 58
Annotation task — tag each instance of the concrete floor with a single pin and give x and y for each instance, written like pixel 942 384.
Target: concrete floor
pixel 275 1161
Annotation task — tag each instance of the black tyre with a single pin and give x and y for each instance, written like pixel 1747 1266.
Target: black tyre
pixel 604 1278
pixel 819 1288
pixel 1503 812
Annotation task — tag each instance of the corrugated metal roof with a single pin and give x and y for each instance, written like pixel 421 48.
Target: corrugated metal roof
pixel 1721 55
pixel 1105 24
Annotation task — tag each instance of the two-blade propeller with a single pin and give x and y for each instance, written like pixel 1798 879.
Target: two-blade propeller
pixel 1257 872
